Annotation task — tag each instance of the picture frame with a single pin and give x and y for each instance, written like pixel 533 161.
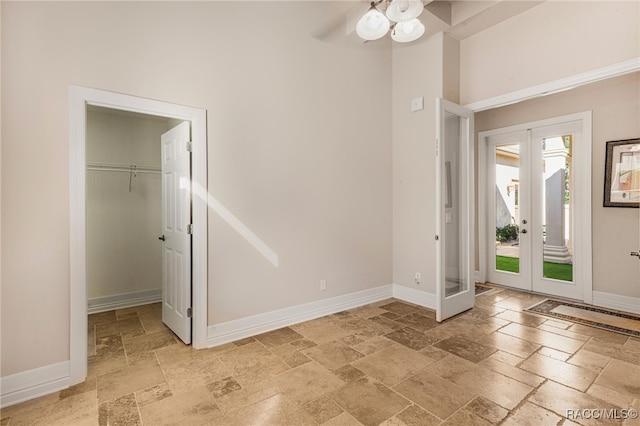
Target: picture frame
pixel 622 173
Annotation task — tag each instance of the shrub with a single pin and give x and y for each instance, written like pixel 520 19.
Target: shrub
pixel 507 233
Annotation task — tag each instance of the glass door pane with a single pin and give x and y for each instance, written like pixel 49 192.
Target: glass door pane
pixel 507 208
pixel 455 266
pixel 555 185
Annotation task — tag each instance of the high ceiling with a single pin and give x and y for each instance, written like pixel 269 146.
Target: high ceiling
pixel 459 19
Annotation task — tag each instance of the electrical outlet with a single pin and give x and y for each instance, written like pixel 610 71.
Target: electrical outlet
pixel 323 285
pixel 416 278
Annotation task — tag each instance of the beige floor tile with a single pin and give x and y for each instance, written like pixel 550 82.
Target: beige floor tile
pixel 252 363
pixel 348 373
pixel 393 364
pixel 434 394
pixel 521 318
pixel 514 372
pixel 613 350
pixel 545 338
pixel 194 370
pixel 369 401
pixel 611 396
pixel 332 355
pixel 101 317
pixel 322 409
pixel 602 335
pixel 128 327
pixel 487 410
pixel 89 385
pixel 278 337
pixel 554 353
pixel 366 328
pixel 514 303
pixel 433 353
pixel 413 416
pixel 568 374
pixel 411 338
pixel 400 308
pixel 307 382
pixel 559 398
pixel 195 407
pixel 507 358
pixel 247 395
pixel 532 415
pixel 290 355
pixel 128 380
pixel 418 321
pixel 321 333
pixel 276 410
pixel 121 411
pixel 223 387
pixel 151 322
pixel 153 394
pixel 496 387
pixel 622 377
pixel 372 345
pixel 343 419
pixel 466 348
pixel 558 323
pixel 563 332
pixel 506 343
pixel 149 342
pixel 368 311
pixel 590 360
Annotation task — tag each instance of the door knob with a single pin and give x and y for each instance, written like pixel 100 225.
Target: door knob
pixel 162 238
pixel 524 231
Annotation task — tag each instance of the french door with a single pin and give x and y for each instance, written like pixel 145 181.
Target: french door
pixel 455 289
pixel 538 204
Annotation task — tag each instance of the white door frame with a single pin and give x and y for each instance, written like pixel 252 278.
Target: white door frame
pixel 79 99
pixel 582 196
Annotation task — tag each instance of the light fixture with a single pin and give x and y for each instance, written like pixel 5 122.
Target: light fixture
pixel 405 32
pixel 401 17
pixel 373 25
pixel 404 10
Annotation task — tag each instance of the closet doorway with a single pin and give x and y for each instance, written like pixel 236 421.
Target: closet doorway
pixel 138 213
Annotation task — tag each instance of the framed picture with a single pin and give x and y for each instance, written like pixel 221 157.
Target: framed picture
pixel 622 174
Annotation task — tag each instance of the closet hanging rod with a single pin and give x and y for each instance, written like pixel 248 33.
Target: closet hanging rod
pixel 128 168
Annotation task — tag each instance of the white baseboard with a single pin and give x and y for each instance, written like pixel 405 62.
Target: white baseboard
pixel 412 295
pixel 123 300
pixel 617 302
pixel 34 383
pixel 230 331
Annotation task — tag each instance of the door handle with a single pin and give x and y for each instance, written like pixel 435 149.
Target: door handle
pixel 524 231
pixel 636 253
pixel 162 238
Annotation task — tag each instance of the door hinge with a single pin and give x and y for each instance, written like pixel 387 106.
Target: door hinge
pixel 189 312
pixel 437 237
pixel 190 229
pixel 189 146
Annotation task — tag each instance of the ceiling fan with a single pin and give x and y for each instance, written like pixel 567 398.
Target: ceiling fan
pixel 400 17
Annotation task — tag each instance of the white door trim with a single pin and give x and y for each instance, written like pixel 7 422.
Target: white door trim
pixel 79 98
pixel 582 178
pixel 556 86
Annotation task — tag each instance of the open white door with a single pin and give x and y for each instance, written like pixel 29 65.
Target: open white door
pixel 176 224
pixel 455 286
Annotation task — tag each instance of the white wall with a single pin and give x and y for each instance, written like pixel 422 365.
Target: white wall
pixel 299 147
pixel 550 41
pixel 124 254
pixel 417 71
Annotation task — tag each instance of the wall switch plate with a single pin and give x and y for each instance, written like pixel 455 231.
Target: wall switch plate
pixel 416 278
pixel 323 285
pixel 417 104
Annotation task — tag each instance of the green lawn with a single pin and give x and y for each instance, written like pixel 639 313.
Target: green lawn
pixel 558 271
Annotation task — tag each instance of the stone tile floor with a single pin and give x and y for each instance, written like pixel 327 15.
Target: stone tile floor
pixel 388 363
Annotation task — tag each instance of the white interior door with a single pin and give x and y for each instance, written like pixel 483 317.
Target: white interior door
pixel 455 288
pixel 176 223
pixel 538 214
